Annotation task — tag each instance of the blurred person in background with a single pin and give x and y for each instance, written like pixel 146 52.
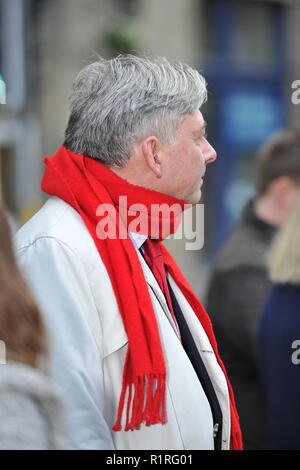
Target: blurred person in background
pixel 240 284
pixel 31 411
pixel 279 339
pixel 133 347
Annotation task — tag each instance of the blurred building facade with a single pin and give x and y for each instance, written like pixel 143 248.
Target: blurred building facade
pixel 247 49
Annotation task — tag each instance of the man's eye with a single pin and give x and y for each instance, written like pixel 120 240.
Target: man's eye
pixel 201 137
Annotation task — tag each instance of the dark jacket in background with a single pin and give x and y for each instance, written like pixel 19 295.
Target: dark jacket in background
pixel 238 288
pixel 279 328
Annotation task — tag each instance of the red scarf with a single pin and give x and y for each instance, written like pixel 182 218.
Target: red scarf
pixel 87 184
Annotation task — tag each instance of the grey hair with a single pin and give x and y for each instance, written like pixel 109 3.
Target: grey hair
pixel 116 103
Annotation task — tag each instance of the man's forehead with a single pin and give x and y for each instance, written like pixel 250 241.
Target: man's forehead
pixel 197 119
pixel 193 123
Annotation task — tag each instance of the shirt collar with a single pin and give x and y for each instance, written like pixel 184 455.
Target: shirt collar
pixel 138 239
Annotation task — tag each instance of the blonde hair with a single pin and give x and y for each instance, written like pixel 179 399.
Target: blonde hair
pixel 284 261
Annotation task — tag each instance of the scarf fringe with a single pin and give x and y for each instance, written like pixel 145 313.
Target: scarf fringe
pixel 148 403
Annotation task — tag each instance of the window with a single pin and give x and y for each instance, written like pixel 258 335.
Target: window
pixel 12 59
pixel 254 42
pixel 243 31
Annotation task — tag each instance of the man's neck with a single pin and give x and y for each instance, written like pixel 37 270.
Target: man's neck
pixel 137 173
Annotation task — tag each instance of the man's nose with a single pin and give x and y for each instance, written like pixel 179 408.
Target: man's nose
pixel 210 153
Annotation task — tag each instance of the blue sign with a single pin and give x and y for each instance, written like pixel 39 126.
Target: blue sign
pixel 249 117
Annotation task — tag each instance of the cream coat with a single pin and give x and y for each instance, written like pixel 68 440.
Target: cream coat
pixel 88 342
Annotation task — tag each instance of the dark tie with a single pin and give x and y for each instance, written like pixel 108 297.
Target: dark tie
pixel 190 348
pixel 154 258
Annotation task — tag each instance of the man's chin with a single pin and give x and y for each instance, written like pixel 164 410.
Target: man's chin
pixel 195 198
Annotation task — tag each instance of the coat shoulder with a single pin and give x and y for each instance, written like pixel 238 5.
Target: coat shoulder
pixel 59 222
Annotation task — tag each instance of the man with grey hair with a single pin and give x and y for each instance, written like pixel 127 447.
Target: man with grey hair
pixel 132 347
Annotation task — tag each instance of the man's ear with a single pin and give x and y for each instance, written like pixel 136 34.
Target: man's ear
pixel 152 155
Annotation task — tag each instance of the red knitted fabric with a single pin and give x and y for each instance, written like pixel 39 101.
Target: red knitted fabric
pixel 154 258
pixel 88 186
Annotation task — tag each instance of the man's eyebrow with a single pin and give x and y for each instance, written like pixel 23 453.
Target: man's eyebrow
pixel 201 131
